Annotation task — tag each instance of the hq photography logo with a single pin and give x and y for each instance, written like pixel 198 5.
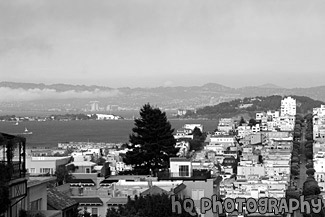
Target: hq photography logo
pixel 265 205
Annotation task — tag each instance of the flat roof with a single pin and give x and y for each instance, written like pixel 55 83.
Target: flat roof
pixel 34 181
pixel 117 200
pixel 82 163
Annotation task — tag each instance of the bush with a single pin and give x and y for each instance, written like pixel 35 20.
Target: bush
pixel 309 154
pixel 294 171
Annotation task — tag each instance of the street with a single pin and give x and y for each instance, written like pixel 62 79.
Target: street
pixel 302 170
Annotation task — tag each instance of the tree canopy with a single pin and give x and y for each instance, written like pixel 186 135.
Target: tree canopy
pixel 63 175
pixel 197 143
pixel 152 142
pixel 147 206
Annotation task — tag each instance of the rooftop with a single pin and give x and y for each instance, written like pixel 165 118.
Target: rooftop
pixel 33 181
pixel 82 163
pixel 154 190
pixel 117 200
pixel 58 200
pixel 179 159
pixel 89 201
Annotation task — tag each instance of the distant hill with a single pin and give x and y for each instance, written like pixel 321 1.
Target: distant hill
pixel 76 98
pixel 250 106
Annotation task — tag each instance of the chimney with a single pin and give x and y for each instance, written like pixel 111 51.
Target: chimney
pixel 149 183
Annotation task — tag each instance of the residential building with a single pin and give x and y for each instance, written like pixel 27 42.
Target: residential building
pixel 193 126
pixel 45 165
pixel 196 183
pixel 16 179
pixel 93 205
pixel 226 125
pixel 57 200
pixel 243 131
pixel 246 170
pixel 83 166
pixel 225 140
pixel 25 193
pixel 288 106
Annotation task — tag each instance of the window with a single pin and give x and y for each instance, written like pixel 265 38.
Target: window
pixel 32 170
pixel 87 170
pixel 45 170
pixel 94 212
pixel 184 170
pixel 36 204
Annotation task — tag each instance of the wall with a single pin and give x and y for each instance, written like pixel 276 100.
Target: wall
pixel 37 192
pixel 45 162
pixel 206 186
pixel 174 166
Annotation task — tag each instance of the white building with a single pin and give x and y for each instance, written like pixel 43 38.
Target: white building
pixel 288 106
pixel 319 111
pixel 45 165
pixel 192 126
pixel 243 130
pixel 107 117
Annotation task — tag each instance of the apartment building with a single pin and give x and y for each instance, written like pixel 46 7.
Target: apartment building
pixel 226 125
pixel 243 131
pixel 288 106
pixel 45 165
pixel 196 183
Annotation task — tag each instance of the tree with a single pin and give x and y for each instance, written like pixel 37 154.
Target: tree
pixel 152 142
pixel 147 206
pixel 197 134
pixel 260 159
pixel 252 122
pixel 198 140
pixel 309 154
pixel 63 175
pixel 292 194
pixel 295 159
pixel 294 171
pixel 100 161
pixel 242 121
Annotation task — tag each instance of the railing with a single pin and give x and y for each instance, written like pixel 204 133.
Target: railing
pixel 193 175
pixel 13 157
pixel 12 170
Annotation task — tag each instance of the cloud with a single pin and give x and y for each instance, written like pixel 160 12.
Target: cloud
pixel 9 94
pixel 26 44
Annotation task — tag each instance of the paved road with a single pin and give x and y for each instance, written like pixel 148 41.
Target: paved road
pixel 302 175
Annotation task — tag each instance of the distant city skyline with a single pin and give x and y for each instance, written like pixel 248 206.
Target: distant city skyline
pixel 145 43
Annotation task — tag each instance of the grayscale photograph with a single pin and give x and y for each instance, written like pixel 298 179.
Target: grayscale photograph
pixel 174 108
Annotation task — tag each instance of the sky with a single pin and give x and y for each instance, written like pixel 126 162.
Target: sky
pixel 146 43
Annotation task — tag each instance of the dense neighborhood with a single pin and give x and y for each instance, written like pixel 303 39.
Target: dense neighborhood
pixel 267 155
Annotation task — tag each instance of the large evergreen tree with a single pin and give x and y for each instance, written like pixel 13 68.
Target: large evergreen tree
pixel 152 141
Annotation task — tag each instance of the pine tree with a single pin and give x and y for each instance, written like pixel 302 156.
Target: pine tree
pixel 152 141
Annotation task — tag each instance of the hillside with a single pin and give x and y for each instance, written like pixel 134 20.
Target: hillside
pixel 252 105
pixel 17 97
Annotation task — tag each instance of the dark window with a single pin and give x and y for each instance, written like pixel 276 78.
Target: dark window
pixel 184 170
pixel 36 204
pixel 94 212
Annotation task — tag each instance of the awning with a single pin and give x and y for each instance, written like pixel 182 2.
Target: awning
pixel 82 182
pixel 108 182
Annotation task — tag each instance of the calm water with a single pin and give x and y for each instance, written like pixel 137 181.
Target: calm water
pixel 49 133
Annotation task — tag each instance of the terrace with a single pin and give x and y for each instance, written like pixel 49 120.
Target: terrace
pixel 13 171
pixel 12 156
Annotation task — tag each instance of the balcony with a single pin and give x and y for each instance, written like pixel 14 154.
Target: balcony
pixel 12 157
pixel 195 175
